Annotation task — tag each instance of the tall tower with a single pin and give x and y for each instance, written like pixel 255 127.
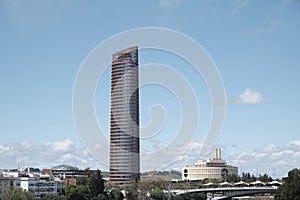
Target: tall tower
pixel 124 117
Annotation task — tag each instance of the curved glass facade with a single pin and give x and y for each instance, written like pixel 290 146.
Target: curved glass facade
pixel 124 117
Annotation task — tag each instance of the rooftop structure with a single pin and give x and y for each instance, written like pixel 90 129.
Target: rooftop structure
pixel 66 171
pixel 212 168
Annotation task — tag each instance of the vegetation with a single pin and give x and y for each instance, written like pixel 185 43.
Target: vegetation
pixel 17 194
pixel 167 175
pixel 90 186
pixel 132 190
pixel 77 192
pixel 191 196
pixel 158 194
pixel 54 198
pixel 290 190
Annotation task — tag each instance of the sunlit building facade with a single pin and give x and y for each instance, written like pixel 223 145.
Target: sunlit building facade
pixel 124 117
pixel 212 168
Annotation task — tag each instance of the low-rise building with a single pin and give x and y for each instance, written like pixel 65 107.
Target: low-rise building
pixel 66 171
pixel 43 185
pixel 8 182
pixel 37 184
pixel 212 168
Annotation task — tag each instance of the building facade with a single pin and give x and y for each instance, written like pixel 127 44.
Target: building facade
pixel 124 117
pixel 8 182
pixel 38 185
pixel 66 171
pixel 212 168
pixel 42 186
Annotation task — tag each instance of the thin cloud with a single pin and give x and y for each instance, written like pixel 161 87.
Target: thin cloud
pixel 62 146
pixel 46 155
pixel 274 160
pixel 237 5
pixel 271 159
pixel 248 97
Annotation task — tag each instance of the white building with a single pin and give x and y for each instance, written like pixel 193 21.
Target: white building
pixel 37 184
pixel 43 185
pixel 212 168
pixel 7 182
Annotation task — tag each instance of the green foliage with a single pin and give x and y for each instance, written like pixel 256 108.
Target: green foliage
pixel 93 180
pixel 150 184
pixel 191 196
pixel 109 185
pixel 95 183
pixel 232 178
pixel 77 192
pixel 131 190
pixel 247 177
pixel 116 194
pixel 290 190
pixel 17 194
pixel 54 198
pixel 158 194
pixel 102 197
pixel 265 178
pixel 82 180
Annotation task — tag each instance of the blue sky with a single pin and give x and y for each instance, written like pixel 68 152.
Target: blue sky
pixel 254 44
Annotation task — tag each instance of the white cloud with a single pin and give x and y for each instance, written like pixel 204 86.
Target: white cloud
pixel 4 148
pixel 62 146
pixel 248 97
pixel 295 145
pixel 274 160
pixel 45 155
pixel 25 145
pixel 271 159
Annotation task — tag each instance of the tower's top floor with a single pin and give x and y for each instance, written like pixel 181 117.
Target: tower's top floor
pixel 125 55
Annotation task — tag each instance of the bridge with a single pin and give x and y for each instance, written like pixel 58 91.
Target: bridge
pixel 230 192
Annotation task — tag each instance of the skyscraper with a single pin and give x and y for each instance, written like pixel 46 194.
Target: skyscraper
pixel 124 117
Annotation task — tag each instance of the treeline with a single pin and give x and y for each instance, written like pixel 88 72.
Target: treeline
pixel 92 187
pixel 163 173
pixel 247 177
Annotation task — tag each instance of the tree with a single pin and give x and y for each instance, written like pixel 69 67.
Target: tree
pixel 77 192
pixel 102 197
pixel 54 198
pixel 95 183
pixel 132 191
pixel 265 178
pixel 290 189
pixel 150 184
pixel 191 196
pixel 116 194
pixel 93 180
pixel 232 178
pixel 17 194
pixel 158 194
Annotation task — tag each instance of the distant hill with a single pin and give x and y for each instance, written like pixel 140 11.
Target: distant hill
pixel 168 175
